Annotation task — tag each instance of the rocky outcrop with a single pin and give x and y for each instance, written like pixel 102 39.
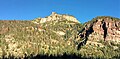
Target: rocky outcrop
pixel 4 30
pixel 54 16
pixel 102 28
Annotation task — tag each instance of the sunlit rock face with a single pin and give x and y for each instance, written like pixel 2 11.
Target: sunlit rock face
pixel 56 17
pixel 104 28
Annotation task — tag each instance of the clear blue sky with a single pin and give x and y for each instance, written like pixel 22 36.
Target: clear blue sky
pixel 83 10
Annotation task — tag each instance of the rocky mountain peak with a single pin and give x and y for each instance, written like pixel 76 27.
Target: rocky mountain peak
pixel 53 13
pixel 56 17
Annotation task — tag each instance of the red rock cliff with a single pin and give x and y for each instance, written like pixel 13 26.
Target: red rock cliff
pixel 104 28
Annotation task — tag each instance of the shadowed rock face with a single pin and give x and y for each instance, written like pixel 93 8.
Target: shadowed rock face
pixel 105 28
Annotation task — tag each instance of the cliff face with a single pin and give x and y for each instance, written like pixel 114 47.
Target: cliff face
pixel 56 17
pixel 102 28
pixel 101 37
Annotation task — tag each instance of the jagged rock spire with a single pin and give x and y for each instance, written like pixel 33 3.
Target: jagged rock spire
pixel 53 13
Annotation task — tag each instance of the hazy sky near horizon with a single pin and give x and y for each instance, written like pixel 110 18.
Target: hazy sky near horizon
pixel 83 10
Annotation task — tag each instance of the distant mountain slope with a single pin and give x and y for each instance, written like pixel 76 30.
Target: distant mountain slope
pixel 23 38
pixel 59 35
